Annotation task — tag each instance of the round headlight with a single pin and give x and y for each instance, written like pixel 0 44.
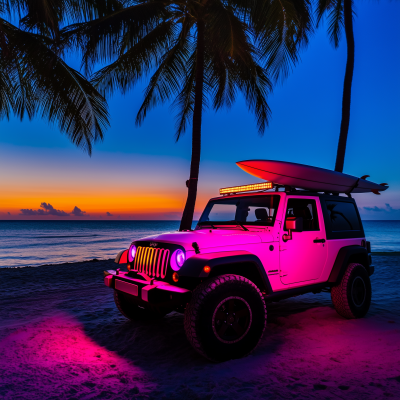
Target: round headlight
pixel 132 253
pixel 180 257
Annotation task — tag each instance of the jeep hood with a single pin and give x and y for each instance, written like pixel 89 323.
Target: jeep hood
pixel 206 239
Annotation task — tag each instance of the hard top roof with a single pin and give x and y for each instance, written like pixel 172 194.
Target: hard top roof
pixel 288 193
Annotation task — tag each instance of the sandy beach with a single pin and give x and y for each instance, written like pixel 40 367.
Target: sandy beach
pixel 61 337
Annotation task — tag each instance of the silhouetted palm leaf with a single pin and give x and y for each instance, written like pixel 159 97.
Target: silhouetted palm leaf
pixel 282 29
pixel 34 78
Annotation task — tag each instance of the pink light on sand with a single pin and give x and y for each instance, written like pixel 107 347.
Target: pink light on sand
pixel 42 356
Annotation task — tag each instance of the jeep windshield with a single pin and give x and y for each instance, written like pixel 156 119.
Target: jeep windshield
pixel 249 210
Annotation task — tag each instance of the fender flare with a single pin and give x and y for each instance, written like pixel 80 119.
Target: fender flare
pixel 342 261
pixel 193 267
pixel 122 257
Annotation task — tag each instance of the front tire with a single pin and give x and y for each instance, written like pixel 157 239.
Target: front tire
pixel 132 311
pixel 226 317
pixel 352 297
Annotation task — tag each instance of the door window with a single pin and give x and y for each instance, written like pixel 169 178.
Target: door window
pixel 305 208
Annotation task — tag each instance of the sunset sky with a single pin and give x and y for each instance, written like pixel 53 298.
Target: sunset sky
pixel 140 172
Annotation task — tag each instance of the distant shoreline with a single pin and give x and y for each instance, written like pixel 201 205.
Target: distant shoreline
pixel 72 263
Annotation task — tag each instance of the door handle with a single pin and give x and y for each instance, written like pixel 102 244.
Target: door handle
pixel 319 240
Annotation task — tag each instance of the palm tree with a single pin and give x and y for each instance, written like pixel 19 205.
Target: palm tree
pixel 34 77
pixel 200 54
pixel 340 14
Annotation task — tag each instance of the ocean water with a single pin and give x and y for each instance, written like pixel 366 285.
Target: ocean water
pixel 34 243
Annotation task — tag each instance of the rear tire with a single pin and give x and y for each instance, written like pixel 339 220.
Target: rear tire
pixel 352 297
pixel 133 312
pixel 225 318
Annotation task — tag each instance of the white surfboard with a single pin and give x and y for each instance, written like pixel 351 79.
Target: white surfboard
pixel 309 178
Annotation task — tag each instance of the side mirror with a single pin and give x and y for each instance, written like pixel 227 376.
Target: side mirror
pixel 293 224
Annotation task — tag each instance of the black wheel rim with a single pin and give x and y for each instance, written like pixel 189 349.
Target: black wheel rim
pixel 358 291
pixel 231 319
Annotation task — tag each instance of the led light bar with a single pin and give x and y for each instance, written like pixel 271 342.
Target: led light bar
pixel 247 188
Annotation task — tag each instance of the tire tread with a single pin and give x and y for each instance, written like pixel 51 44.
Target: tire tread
pixel 339 293
pixel 199 294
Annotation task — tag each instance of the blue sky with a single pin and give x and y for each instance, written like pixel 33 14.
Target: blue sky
pixel 306 113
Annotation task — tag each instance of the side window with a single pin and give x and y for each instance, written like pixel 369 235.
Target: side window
pixel 342 216
pixel 305 208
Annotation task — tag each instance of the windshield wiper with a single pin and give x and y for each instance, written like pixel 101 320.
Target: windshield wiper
pixel 242 226
pixel 206 223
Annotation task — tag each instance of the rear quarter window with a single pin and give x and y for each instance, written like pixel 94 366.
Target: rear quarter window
pixel 342 219
pixel 342 216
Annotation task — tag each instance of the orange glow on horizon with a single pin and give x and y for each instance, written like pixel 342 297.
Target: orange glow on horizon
pixel 109 187
pixel 165 205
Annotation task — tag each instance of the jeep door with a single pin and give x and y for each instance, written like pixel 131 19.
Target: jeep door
pixel 302 258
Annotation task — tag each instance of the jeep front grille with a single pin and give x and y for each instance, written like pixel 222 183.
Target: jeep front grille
pixel 151 261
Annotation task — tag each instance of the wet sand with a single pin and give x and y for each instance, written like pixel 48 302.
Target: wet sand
pixel 61 337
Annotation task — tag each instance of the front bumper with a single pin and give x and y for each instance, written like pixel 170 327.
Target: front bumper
pixel 147 290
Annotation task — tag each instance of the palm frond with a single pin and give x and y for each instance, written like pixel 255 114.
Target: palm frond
pixel 100 40
pixel 282 30
pixel 336 22
pixel 136 62
pixel 45 16
pixel 45 84
pixel 165 82
pixel 226 29
pixel 184 102
pixel 25 99
pixel 221 80
pixel 322 7
pixel 255 87
pixel 6 91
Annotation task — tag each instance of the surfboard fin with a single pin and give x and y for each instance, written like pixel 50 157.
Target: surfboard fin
pixel 364 177
pixel 375 191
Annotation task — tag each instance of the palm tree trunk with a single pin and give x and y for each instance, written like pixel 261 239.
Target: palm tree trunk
pixel 187 217
pixel 348 79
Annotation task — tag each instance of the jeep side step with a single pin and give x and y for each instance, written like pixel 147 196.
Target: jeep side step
pixel 281 295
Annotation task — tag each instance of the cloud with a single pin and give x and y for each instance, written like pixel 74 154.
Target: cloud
pixel 108 214
pixel 28 211
pixel 9 213
pixel 77 212
pixel 48 209
pixel 376 209
pixel 387 209
pixel 45 209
